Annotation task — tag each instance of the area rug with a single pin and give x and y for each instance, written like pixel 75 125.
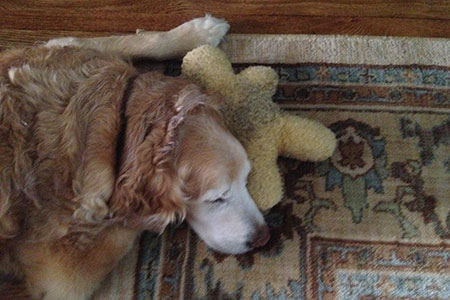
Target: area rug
pixel 372 222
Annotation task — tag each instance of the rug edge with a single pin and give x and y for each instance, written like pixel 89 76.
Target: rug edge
pixel 339 49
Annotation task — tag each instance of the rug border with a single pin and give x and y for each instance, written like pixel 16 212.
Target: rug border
pixel 313 239
pixel 368 50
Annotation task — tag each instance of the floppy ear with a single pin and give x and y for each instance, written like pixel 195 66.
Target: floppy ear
pixel 146 196
pixel 148 192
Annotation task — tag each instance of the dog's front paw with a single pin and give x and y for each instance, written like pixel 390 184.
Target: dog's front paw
pixel 212 28
pixel 92 210
pixel 208 30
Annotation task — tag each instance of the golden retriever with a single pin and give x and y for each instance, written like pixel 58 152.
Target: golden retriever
pixel 92 153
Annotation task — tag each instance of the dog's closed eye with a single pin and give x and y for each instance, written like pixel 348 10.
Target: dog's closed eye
pixel 218 200
pixel 222 198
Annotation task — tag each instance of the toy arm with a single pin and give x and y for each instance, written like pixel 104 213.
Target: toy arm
pixel 305 139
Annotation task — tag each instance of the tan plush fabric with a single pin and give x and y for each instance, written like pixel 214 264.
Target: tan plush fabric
pixel 265 131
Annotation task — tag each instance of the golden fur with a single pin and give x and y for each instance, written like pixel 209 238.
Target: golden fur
pixel 87 160
pixel 92 153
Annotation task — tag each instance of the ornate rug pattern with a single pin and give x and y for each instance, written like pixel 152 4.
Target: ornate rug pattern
pixel 372 222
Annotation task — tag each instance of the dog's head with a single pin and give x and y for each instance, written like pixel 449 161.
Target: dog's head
pixel 213 168
pixel 181 162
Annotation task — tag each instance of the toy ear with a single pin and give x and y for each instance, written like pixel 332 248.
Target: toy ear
pixel 210 68
pixel 264 78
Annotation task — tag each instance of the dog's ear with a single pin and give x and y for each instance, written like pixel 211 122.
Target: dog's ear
pixel 148 192
pixel 147 195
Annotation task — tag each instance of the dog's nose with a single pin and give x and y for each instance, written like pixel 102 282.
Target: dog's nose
pixel 261 237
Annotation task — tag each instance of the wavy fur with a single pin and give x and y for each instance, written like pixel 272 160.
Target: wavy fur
pixel 148 191
pixel 86 162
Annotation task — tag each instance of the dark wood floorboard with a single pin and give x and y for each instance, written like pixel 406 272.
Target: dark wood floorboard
pixel 22 22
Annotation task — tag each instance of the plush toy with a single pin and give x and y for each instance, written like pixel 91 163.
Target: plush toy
pixel 263 129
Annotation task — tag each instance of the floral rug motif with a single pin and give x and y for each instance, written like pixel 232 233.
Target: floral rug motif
pixel 372 222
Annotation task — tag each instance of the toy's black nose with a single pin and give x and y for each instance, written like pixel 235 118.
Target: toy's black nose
pixel 261 237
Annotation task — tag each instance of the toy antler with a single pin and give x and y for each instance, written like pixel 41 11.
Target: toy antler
pixel 210 68
pixel 264 79
pixel 305 139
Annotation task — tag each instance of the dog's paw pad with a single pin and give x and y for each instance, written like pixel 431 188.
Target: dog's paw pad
pixel 210 30
pixel 216 29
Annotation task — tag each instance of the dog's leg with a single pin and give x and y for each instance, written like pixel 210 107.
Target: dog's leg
pixel 66 270
pixel 94 115
pixel 156 45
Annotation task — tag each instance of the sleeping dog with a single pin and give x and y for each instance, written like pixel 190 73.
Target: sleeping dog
pixel 92 153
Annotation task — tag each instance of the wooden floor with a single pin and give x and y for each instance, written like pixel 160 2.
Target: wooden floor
pixel 26 21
